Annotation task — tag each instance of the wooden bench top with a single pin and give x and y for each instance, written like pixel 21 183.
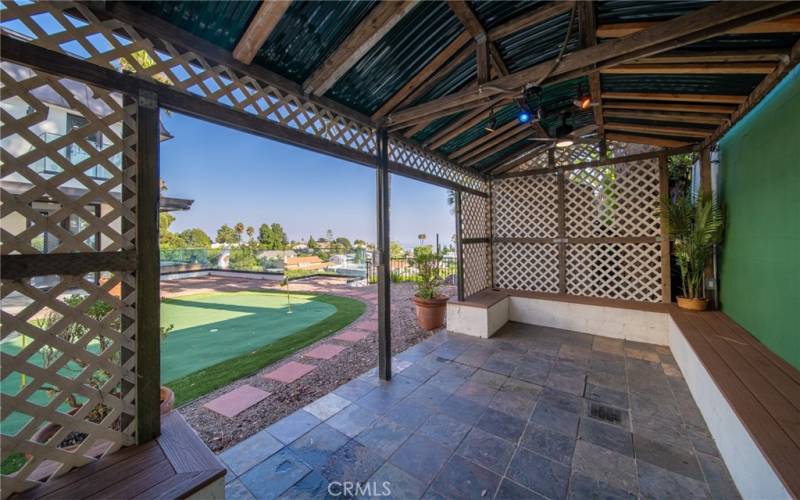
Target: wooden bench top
pixel 175 465
pixel 489 297
pixel 761 388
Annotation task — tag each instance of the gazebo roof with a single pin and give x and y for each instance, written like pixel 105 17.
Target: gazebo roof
pixel 423 52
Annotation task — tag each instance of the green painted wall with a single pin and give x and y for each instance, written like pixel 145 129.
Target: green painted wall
pixel 760 191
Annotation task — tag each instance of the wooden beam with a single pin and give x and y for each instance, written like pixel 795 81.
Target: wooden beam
pixel 440 74
pixel 788 24
pixel 261 26
pixel 663 191
pixel 748 68
pixel 461 125
pixel 702 118
pixel 587 22
pixel 670 106
pixel 468 19
pixel 761 90
pixel 382 18
pixel 658 129
pixel 668 35
pixel 538 16
pixel 486 50
pixel 425 79
pixel 650 96
pixel 16 267
pixel 482 60
pixel 497 135
pixel 498 146
pixel 641 139
pixel 715 56
pixel 384 258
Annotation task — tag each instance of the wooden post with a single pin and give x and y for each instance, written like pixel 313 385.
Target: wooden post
pixel 148 365
pixel 491 236
pixel 562 229
pixel 705 171
pixel 663 191
pixel 482 58
pixel 384 259
pixel 459 248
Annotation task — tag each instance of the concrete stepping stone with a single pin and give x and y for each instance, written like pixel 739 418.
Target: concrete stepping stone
pixel 238 400
pixel 352 335
pixel 289 372
pixel 324 351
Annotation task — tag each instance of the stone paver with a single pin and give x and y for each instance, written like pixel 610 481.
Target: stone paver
pixel 324 351
pixel 352 335
pixel 511 417
pixel 289 372
pixel 367 325
pixel 236 401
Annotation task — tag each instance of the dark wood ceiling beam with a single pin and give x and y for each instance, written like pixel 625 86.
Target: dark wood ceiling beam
pixel 655 96
pixel 458 127
pixel 743 68
pixel 382 18
pixel 429 75
pixel 658 130
pixel 486 141
pixel 261 26
pixel 587 22
pixel 669 106
pixel 717 56
pixel 690 28
pixel 538 16
pixel 486 49
pixel 642 139
pixel 519 135
pixel 788 24
pixel 701 118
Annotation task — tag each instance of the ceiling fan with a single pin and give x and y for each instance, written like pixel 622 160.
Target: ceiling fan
pixel 567 135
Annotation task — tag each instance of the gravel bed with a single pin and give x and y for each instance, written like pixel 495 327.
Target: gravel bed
pixel 220 432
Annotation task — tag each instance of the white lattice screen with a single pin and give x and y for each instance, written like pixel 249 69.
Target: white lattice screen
pixel 525 207
pixel 74 30
pixel 629 271
pixel 475 242
pixel 68 339
pixel 526 266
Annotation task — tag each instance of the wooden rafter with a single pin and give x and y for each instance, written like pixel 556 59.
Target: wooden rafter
pixel 533 18
pixel 473 147
pixel 701 118
pixel 432 73
pixel 474 27
pixel 670 106
pixel 460 126
pixel 654 96
pixel 788 24
pixel 587 22
pixel 643 139
pixel 742 68
pixel 382 18
pixel 716 56
pixel 261 26
pixel 667 35
pixel 519 134
pixel 659 130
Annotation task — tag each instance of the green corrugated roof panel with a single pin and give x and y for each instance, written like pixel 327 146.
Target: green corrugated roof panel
pixel 308 33
pixel 538 43
pixel 463 74
pixel 625 11
pixel 682 84
pixel 492 14
pixel 502 154
pixel 401 54
pixel 221 23
pixel 435 126
pixel 503 114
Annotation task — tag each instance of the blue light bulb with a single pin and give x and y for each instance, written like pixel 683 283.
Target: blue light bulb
pixel 523 116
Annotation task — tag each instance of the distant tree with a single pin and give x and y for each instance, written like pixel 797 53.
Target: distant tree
pixel 421 237
pixel 396 250
pixel 329 235
pixel 250 232
pixel 164 221
pixel 279 238
pixel 166 238
pixel 312 243
pixel 343 244
pixel 239 228
pixel 227 234
pixel 264 235
pixel 196 237
pixel 359 243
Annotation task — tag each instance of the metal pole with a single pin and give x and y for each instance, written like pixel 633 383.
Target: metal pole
pixel 383 255
pixel 459 249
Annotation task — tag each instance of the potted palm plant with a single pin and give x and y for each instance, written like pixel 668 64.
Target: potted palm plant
pixel 429 302
pixel 695 225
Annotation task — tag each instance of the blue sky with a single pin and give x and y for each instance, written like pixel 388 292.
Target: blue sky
pixel 237 177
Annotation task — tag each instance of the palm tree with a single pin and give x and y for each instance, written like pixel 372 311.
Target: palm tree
pixel 250 232
pixel 239 228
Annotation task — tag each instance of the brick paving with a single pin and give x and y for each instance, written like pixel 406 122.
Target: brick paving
pixel 289 372
pixel 324 351
pixel 237 400
pixel 532 412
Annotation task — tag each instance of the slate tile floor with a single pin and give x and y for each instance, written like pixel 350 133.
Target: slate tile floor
pixel 532 412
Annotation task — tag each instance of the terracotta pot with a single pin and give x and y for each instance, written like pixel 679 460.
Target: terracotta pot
pixel 430 312
pixel 692 304
pixel 167 400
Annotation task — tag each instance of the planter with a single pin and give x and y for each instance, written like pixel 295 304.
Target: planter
pixel 692 304
pixel 430 312
pixel 167 400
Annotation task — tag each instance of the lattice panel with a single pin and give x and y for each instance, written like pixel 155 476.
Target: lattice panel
pixel 538 162
pixel 475 217
pixel 526 266
pixel 613 201
pixel 628 271
pixel 69 374
pixel 477 259
pixel 616 149
pixel 525 207
pixel 63 191
pixel 576 154
pixel 430 164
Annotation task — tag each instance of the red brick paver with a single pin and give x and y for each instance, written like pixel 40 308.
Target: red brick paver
pixel 368 325
pixel 236 401
pixel 289 372
pixel 352 335
pixel 324 351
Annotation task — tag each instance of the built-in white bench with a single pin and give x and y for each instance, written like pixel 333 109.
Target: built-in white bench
pixel 749 397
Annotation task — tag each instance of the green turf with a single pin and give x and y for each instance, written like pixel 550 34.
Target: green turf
pixel 203 381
